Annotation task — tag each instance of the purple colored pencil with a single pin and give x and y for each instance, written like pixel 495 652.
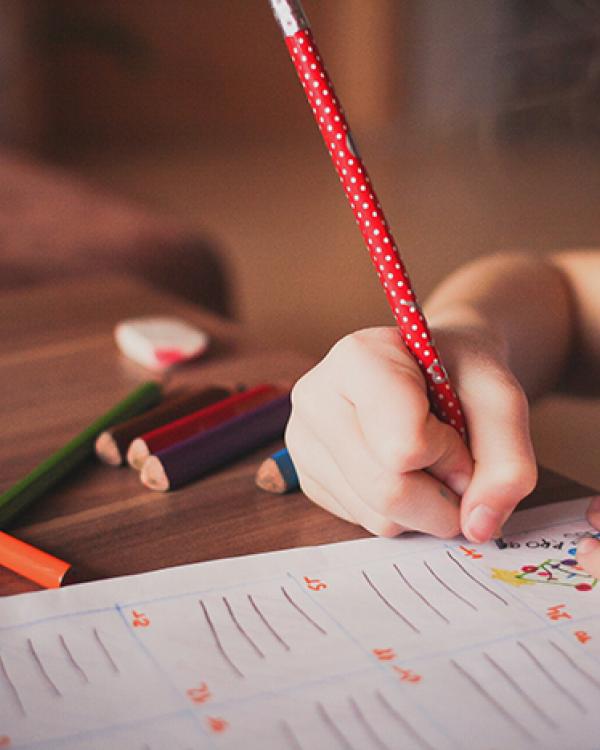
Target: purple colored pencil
pixel 190 459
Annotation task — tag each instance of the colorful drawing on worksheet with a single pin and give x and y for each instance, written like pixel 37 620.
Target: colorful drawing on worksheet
pixel 553 571
pixel 564 572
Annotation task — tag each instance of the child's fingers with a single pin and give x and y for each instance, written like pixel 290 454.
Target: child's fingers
pixel 505 468
pixel 371 373
pixel 385 385
pixel 307 450
pixel 307 453
pixel 588 555
pixel 348 470
pixel 319 495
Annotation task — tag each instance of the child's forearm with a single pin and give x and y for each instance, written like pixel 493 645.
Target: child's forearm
pixel 524 304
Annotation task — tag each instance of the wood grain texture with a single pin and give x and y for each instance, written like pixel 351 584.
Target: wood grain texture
pixel 59 368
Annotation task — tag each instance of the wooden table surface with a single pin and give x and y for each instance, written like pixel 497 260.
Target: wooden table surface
pixel 59 369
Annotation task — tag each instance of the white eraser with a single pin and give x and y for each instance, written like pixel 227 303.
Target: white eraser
pixel 160 343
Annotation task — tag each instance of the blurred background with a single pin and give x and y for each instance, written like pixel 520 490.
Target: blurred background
pixel 171 140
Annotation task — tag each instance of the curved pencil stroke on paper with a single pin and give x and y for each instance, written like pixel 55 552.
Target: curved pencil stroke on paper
pixel 111 662
pixel 71 659
pixel 523 694
pixel 304 614
pixel 362 720
pixel 217 640
pixel 408 728
pixel 421 596
pixel 42 670
pixel 389 605
pixel 584 673
pixel 290 735
pixel 492 701
pixel 241 629
pixel 449 588
pixel 267 624
pixel 333 727
pixel 12 688
pixel 476 580
pixel 548 674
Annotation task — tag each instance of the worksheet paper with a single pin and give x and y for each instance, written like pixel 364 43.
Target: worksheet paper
pixel 380 643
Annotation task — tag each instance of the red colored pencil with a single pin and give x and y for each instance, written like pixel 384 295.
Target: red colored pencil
pixel 359 190
pixel 190 459
pixel 199 421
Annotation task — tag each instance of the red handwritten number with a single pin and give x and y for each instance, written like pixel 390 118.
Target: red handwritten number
pixel 385 654
pixel 216 724
pixel 314 584
pixel 4 740
pixel 199 694
pixel 554 613
pixel 139 619
pixel 407 675
pixel 582 636
pixel 471 553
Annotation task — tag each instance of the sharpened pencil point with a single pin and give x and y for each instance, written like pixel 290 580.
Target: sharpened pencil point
pixel 277 474
pixel 269 478
pixel 153 475
pixel 107 450
pixel 137 454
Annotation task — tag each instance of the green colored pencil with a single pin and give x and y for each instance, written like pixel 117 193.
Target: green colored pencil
pixel 67 458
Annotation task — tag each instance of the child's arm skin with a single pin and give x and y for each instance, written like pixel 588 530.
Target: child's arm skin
pixel 362 436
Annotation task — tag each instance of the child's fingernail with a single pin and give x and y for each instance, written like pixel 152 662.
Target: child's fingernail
pixel 483 522
pixel 458 483
pixel 595 505
pixel 587 545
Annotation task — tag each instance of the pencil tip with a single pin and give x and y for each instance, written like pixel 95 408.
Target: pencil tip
pixel 107 450
pixel 137 453
pixel 269 478
pixel 153 475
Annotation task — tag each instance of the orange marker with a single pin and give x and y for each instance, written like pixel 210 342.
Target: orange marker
pixel 32 563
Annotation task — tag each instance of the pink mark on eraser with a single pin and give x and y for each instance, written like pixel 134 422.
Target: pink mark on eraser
pixel 169 356
pixel 160 343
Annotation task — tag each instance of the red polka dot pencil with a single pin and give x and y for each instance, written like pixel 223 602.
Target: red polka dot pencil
pixel 361 195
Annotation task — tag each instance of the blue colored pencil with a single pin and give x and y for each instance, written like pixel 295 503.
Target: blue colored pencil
pixel 277 474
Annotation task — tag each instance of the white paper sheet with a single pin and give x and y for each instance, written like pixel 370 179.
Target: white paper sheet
pixel 405 643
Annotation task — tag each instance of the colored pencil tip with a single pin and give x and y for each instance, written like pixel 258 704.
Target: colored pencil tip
pixel 153 475
pixel 269 478
pixel 137 454
pixel 107 450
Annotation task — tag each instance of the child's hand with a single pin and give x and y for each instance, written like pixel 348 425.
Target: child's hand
pixel 588 550
pixel 367 447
